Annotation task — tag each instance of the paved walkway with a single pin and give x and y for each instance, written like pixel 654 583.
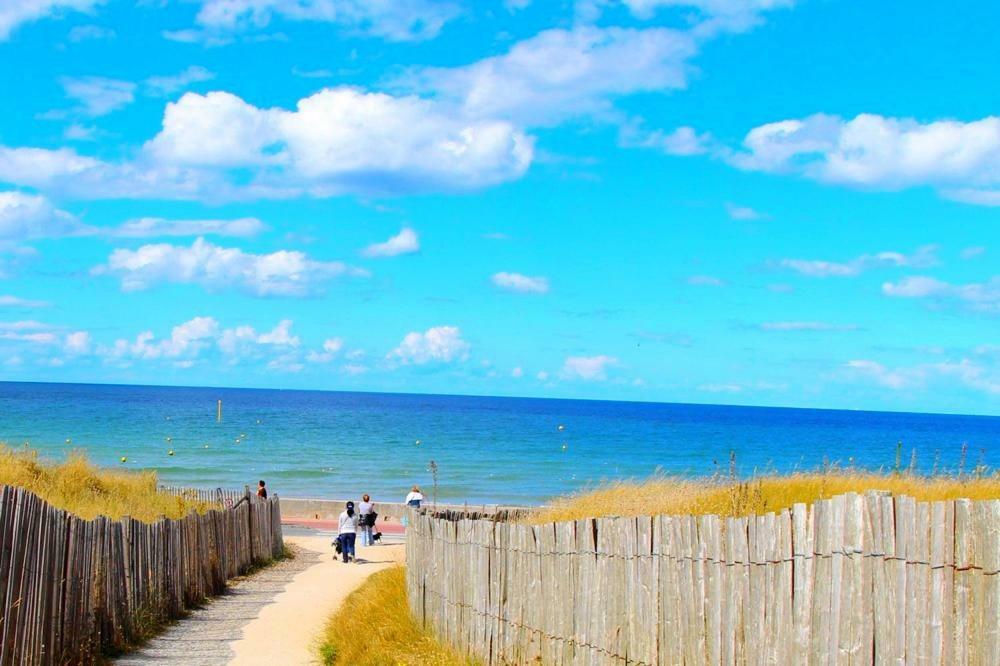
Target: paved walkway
pixel 273 617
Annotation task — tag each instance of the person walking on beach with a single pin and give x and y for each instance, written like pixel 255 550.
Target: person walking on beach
pixel 367 512
pixel 261 490
pixel 348 532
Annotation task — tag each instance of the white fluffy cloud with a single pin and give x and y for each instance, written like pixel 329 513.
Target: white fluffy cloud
pixel 27 216
pixel 331 347
pixel 588 368
pixel 440 344
pixel 405 242
pixel 564 73
pixel 13 13
pixel 192 339
pixel 398 20
pixel 521 283
pixel 154 227
pixel 338 141
pixel 67 172
pixel 960 159
pixel 77 342
pixel 977 296
pixel 922 258
pixel 281 273
pixel 186 339
pixel 216 129
pixel 343 139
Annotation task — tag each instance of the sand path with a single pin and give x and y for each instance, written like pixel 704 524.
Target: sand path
pixel 273 617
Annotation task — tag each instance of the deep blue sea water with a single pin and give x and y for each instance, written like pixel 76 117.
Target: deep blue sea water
pixel 331 444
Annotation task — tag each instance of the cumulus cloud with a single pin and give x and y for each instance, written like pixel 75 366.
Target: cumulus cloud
pixel 244 341
pixel 99 96
pixel 924 257
pixel 343 139
pixel 977 296
pixel 397 20
pixel 77 342
pixel 190 340
pixel 281 273
pixel 28 216
pixel 521 283
pixel 38 167
pixel 331 347
pixel 338 141
pixel 563 73
pixel 155 227
pixel 405 242
pixel 186 339
pixel 440 344
pixel 587 368
pixel 959 159
pixel 13 14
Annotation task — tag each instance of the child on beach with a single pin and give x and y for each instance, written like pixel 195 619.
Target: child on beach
pixel 367 512
pixel 261 490
pixel 348 533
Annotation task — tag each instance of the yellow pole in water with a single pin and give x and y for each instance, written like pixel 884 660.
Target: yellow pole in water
pixel 218 412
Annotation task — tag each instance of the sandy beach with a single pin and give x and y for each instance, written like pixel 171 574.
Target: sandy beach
pixel 286 631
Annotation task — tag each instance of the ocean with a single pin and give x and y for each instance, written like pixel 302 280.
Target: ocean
pixel 486 449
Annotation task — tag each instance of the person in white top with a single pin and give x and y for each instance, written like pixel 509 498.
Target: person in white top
pixel 367 512
pixel 348 532
pixel 415 497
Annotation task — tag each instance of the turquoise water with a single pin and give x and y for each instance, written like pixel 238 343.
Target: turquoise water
pixel 330 444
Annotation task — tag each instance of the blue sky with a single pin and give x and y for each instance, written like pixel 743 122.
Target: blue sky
pixel 771 202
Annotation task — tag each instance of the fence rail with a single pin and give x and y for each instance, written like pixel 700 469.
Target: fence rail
pixel 850 580
pixel 75 589
pixel 223 497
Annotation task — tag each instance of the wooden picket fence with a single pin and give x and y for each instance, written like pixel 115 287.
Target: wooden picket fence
pixel 856 579
pixel 224 497
pixel 74 590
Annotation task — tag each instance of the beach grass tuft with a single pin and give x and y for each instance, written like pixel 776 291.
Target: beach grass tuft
pixel 734 497
pixel 78 486
pixel 374 627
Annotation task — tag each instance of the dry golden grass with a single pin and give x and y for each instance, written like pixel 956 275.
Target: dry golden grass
pixel 79 487
pixel 673 496
pixel 374 627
